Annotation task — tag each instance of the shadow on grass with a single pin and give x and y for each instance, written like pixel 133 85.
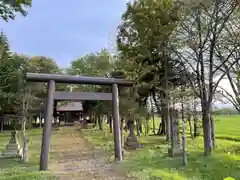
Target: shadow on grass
pixel 98 138
pixel 155 163
pixel 236 139
pixel 152 142
pixel 152 162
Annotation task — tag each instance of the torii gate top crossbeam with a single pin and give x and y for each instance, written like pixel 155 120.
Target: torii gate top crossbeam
pixel 40 77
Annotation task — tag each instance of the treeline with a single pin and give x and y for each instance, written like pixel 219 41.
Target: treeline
pixel 176 52
pixel 19 99
pixel 226 111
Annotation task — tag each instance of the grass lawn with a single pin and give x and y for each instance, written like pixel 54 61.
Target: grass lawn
pixel 16 170
pixel 151 162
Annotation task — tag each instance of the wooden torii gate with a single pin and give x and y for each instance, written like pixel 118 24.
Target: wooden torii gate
pixel 52 79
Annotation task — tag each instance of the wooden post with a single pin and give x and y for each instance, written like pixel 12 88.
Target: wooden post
pixel 47 129
pixel 116 123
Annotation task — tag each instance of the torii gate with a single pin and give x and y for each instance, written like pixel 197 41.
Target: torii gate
pixel 52 79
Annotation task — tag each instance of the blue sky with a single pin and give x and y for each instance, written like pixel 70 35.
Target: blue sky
pixel 63 30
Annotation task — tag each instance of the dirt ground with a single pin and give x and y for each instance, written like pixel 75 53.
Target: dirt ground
pixel 73 158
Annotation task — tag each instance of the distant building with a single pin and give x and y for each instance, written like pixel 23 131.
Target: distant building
pixel 70 112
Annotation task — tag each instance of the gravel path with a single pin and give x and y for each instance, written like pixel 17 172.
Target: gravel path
pixel 73 158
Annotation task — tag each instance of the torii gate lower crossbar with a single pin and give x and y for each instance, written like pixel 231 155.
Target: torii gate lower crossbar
pixel 52 79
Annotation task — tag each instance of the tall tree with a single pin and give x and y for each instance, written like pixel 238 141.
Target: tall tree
pixel 11 75
pixel 10 72
pixel 197 40
pixel 142 43
pixel 29 100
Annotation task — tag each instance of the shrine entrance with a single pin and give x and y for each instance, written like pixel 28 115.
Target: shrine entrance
pixel 52 79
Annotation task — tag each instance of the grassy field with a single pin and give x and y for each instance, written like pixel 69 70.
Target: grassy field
pixel 151 162
pixel 17 170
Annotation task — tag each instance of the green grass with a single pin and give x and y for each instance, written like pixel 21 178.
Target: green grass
pixel 152 162
pixel 15 169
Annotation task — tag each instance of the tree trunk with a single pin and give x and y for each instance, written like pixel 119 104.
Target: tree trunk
pixel 190 124
pixel 161 129
pixel 153 117
pixel 153 124
pixel 195 119
pixel 212 132
pixel 147 125
pixel 162 125
pixel 138 127
pixel 23 124
pixel 183 136
pixel 30 123
pixel 2 121
pixel 166 101
pixel 168 124
pixel 25 148
pixel 195 126
pixel 100 122
pixel 110 123
pixel 131 128
pixel 206 131
pixel 175 140
pixel 94 119
pixel 2 125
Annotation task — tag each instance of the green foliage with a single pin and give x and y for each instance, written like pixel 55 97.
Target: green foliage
pixel 144 34
pixel 94 64
pixel 9 8
pixel 142 42
pixel 98 65
pixel 42 64
pixel 17 96
pixel 11 73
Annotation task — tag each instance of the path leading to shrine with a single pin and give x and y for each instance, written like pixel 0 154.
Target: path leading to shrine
pixel 73 158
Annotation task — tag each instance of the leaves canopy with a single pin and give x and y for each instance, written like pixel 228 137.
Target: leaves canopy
pixel 9 8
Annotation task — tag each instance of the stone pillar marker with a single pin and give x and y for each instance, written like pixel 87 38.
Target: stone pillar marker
pixel 131 140
pixel 12 149
pixel 175 132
